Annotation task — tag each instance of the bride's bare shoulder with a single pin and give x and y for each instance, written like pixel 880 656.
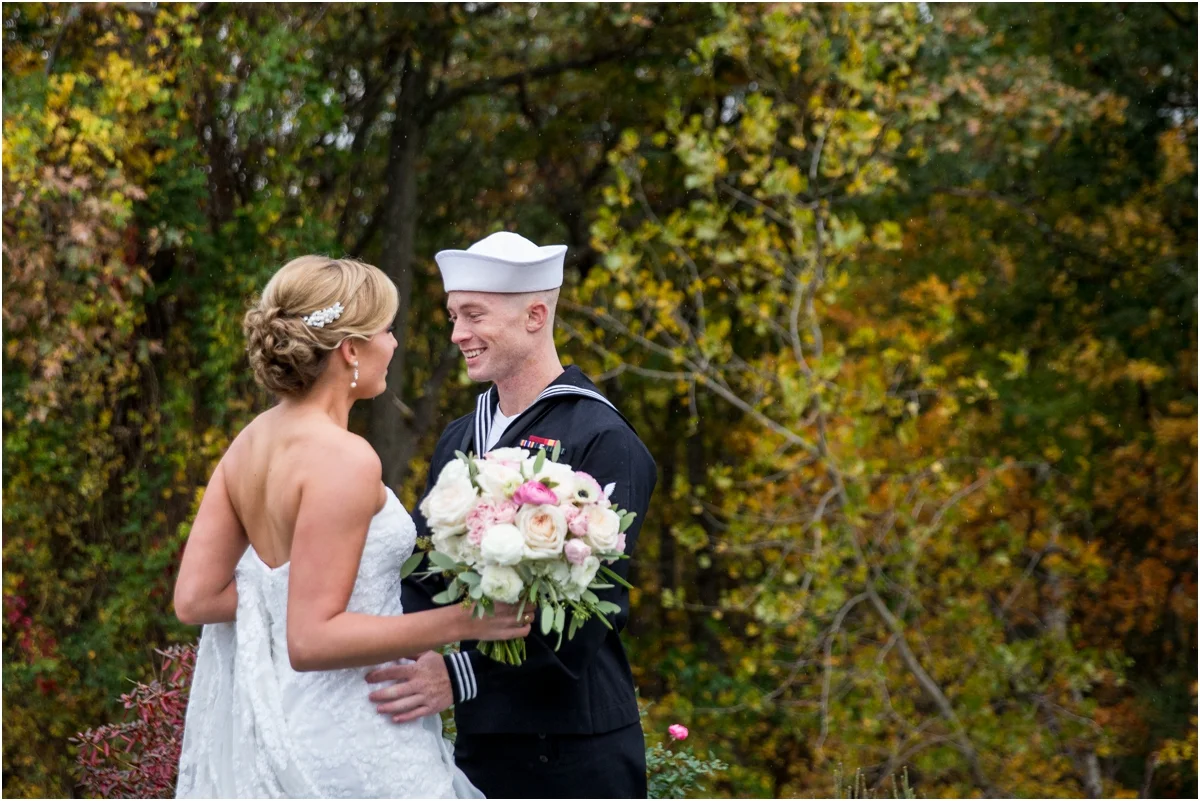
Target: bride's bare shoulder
pixel 328 449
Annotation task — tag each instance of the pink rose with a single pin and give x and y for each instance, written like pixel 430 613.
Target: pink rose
pixel 570 511
pixel 677 732
pixel 578 523
pixel 577 551
pixel 506 511
pixel 535 493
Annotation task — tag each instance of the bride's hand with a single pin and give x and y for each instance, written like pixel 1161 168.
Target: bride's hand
pixel 502 623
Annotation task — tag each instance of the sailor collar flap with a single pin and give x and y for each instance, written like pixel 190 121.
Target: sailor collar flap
pixel 571 382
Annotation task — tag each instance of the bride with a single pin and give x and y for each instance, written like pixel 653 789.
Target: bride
pixel 293 563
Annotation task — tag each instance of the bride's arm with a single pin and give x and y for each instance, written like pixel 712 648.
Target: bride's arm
pixel 205 591
pixel 339 496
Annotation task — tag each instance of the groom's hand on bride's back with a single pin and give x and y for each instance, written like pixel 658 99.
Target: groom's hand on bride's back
pixel 423 687
pixel 415 690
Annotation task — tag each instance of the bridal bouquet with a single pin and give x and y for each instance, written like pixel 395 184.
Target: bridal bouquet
pixel 527 530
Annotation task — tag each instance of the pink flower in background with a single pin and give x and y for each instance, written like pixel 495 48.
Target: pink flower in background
pixel 677 732
pixel 577 551
pixel 536 493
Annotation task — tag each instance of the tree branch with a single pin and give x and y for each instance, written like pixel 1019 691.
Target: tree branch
pixel 445 98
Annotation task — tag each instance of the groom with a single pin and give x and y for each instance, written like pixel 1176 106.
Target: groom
pixel 565 723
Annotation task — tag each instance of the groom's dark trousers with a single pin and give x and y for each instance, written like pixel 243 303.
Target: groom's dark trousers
pixel 565 723
pixel 609 765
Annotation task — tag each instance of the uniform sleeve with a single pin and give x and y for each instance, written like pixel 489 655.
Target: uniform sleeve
pixel 618 457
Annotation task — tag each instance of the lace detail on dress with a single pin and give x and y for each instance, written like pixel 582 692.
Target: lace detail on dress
pixel 256 728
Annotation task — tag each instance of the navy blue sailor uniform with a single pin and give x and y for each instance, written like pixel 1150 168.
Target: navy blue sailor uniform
pixel 565 723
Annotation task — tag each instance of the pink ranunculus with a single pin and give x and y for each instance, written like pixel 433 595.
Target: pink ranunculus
pixel 535 493
pixel 677 732
pixel 577 551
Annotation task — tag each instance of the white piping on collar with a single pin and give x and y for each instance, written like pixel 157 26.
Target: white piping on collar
pixel 484 414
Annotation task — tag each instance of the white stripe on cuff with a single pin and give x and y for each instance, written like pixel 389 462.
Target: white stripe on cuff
pixel 471 689
pixel 458 678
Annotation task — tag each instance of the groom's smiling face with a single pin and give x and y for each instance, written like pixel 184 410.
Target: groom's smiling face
pixel 490 331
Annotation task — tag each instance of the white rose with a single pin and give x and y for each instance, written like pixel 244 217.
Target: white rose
pixel 544 529
pixel 452 497
pixel 501 583
pixel 603 528
pixel 555 570
pixel 563 477
pixel 498 480
pixel 581 577
pixel 502 544
pixel 518 455
pixel 454 545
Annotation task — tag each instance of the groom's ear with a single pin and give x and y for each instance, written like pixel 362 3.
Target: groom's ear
pixel 536 315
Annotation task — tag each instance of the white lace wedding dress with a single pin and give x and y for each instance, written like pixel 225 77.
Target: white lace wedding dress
pixel 256 728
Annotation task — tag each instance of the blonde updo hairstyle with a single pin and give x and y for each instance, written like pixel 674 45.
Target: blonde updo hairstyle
pixel 289 355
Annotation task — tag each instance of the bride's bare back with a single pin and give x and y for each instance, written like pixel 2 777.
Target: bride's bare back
pixel 266 468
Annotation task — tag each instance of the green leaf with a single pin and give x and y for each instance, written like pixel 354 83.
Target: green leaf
pixel 627 520
pixel 547 619
pixel 560 619
pixel 450 594
pixel 612 575
pixel 411 564
pixel 608 608
pixel 557 452
pixel 467 577
pixel 442 561
pixel 574 627
pixel 590 597
pixel 539 461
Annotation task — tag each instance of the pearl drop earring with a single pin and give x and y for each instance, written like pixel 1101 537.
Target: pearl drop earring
pixel 354 383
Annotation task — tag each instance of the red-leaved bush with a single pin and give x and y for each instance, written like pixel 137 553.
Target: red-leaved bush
pixel 140 757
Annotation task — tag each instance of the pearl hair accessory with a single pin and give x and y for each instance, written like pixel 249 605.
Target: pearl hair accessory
pixel 319 319
pixel 354 383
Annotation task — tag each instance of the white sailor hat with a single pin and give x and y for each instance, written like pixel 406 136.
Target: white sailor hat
pixel 502 262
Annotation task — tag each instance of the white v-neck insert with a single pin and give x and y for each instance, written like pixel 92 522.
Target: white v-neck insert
pixel 499 424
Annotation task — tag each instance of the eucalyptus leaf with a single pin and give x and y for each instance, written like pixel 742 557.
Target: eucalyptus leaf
pixel 547 619
pixel 442 561
pixel 411 564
